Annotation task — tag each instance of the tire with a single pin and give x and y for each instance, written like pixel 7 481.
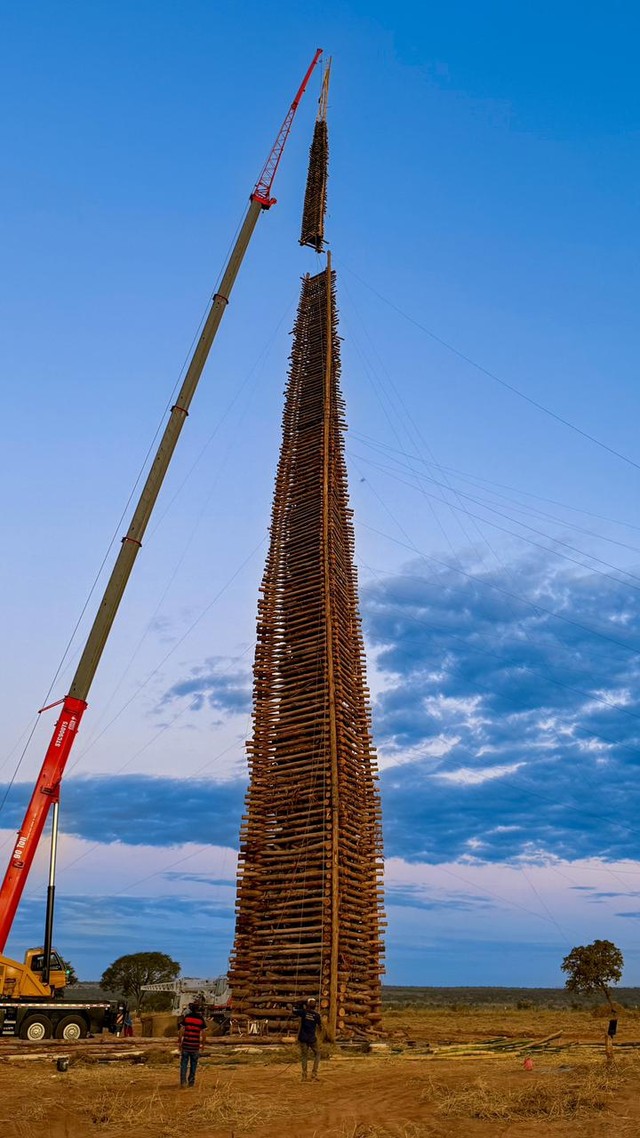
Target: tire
pixel 71 1027
pixel 36 1028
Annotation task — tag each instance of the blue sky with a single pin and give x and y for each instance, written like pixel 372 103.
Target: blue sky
pixel 484 227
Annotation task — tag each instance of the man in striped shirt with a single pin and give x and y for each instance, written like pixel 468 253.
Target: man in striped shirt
pixel 191 1029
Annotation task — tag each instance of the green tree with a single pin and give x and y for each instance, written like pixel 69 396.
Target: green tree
pixel 593 967
pixel 128 974
pixel 72 975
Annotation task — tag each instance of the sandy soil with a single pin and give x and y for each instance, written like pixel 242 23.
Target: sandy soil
pixel 402 1094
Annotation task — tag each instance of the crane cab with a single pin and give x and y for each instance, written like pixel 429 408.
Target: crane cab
pixel 24 981
pixel 34 961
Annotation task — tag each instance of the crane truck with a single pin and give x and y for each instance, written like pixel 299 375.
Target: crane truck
pixel 32 1003
pixel 34 1010
pixel 213 996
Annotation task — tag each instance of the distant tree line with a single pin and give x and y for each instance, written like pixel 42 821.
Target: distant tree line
pixel 591 970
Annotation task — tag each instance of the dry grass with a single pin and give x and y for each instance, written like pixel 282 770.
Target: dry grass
pixel 364 1096
pixel 119 1111
pixel 437 1025
pixel 583 1090
pixel 363 1130
pixel 99 1105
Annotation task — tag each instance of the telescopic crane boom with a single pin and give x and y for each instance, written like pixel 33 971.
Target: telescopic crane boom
pixel 47 788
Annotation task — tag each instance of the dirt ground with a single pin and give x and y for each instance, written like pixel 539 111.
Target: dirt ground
pixel 403 1093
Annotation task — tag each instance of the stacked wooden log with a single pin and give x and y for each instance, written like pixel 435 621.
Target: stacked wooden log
pixel 309 891
pixel 315 197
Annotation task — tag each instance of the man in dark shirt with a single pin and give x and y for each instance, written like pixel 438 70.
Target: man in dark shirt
pixel 191 1029
pixel 308 1034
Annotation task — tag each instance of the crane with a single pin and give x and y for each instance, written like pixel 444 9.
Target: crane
pixel 47 789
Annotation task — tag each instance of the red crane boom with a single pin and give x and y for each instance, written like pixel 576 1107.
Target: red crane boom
pixel 74 704
pixel 262 190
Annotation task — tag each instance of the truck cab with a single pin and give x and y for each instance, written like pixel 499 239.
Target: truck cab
pixel 24 981
pixel 34 961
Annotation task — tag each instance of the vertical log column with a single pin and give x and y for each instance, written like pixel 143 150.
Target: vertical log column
pixel 309 882
pixel 331 679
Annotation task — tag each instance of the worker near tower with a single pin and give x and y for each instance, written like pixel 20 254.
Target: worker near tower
pixel 191 1029
pixel 310 1023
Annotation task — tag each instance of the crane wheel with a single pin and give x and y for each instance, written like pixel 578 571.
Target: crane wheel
pixel 71 1027
pixel 36 1028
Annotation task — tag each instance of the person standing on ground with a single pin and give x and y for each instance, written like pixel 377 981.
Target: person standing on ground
pixel 308 1035
pixel 191 1029
pixel 127 1024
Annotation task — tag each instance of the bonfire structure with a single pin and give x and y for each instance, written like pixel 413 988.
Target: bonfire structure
pixel 309 904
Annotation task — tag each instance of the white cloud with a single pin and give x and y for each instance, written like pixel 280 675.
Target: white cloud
pixel 431 749
pixel 466 776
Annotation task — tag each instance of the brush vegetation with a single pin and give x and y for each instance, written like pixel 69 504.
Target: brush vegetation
pixel 582 1090
pixel 394 997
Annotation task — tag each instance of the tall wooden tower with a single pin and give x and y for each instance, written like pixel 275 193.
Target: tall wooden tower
pixel 309 885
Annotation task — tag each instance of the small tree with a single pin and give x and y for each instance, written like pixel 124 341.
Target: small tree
pixel 72 976
pixel 593 967
pixel 129 973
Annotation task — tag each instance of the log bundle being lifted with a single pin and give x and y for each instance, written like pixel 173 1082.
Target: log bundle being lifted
pixel 312 231
pixel 309 901
pixel 315 197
